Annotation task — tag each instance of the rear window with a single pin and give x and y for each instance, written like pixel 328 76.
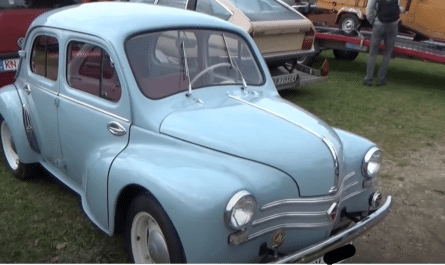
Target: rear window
pixel 213 8
pixel 265 10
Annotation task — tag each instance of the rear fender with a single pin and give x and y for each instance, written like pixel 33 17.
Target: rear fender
pixel 12 112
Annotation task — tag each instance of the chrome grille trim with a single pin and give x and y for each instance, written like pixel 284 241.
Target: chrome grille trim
pixel 310 200
pixel 289 225
pixel 352 195
pixel 286 214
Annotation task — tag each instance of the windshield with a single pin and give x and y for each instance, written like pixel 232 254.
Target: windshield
pixel 165 63
pixel 265 10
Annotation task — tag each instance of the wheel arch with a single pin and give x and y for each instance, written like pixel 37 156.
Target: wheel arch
pixel 11 111
pixel 126 196
pixel 347 10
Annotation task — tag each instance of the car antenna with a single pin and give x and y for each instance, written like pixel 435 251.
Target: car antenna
pixel 186 67
pixel 233 63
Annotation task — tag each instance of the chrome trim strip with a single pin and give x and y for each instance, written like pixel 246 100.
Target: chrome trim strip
pixel 315 251
pixel 351 195
pixel 310 200
pixel 290 225
pixel 336 163
pixel 94 108
pixel 350 185
pixel 225 7
pixel 286 214
pixel 46 90
pixel 275 114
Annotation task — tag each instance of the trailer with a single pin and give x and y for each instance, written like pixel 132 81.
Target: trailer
pixel 346 45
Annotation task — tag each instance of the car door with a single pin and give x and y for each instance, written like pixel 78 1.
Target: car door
pixel 94 120
pixel 38 86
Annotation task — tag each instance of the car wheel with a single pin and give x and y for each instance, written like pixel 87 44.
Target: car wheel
pixel 349 23
pixel 150 235
pixel 10 156
pixel 345 55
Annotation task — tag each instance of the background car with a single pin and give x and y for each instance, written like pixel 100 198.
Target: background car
pixel 281 33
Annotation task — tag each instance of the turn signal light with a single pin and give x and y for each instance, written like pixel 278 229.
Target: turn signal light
pixel 308 40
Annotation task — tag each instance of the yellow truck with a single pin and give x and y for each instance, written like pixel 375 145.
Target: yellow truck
pixel 424 17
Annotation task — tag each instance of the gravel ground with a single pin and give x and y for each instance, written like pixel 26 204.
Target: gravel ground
pixel 414 230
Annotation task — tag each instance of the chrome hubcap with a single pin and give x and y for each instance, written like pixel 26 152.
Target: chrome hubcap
pixel 147 240
pixel 12 158
pixel 348 25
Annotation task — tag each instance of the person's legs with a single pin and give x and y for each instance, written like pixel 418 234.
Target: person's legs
pixel 377 35
pixel 390 40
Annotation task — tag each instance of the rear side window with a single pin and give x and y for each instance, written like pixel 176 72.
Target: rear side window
pixel 173 3
pixel 91 70
pixel 45 57
pixel 213 8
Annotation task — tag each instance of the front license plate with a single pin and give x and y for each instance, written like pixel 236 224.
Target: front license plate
pixel 318 261
pixel 285 79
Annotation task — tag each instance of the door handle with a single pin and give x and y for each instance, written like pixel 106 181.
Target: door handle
pixel 116 128
pixel 27 89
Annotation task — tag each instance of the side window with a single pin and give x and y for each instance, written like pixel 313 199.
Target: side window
pixel 173 3
pixel 45 57
pixel 91 69
pixel 213 8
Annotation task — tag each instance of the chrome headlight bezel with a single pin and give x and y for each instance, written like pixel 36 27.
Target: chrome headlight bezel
pixel 371 162
pixel 234 204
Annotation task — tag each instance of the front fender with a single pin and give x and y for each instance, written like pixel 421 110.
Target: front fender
pixel 12 112
pixel 194 184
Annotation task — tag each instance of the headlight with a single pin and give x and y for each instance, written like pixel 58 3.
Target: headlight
pixel 239 210
pixel 371 162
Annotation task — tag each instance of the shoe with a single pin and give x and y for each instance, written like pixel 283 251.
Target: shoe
pixel 367 82
pixel 381 82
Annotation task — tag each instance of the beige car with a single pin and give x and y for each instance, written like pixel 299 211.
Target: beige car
pixel 281 33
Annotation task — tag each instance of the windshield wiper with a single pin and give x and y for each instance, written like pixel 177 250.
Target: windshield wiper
pixel 186 68
pixel 233 63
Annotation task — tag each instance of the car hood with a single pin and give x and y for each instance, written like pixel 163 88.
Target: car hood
pixel 271 131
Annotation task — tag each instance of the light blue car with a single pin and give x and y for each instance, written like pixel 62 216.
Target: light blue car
pixel 168 125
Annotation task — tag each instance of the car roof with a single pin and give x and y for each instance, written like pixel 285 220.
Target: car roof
pixel 110 20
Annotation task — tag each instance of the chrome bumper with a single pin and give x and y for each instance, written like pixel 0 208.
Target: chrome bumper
pixel 315 251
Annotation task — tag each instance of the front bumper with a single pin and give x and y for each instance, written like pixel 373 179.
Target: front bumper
pixel 318 250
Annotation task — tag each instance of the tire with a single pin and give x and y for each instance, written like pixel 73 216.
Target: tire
pixel 345 55
pixel 147 224
pixel 349 23
pixel 10 157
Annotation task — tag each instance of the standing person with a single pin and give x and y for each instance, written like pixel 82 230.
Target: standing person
pixel 384 16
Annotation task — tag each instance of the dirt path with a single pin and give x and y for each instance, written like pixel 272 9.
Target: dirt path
pixel 414 231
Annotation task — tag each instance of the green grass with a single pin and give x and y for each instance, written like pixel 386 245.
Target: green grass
pixel 406 114
pixel 42 222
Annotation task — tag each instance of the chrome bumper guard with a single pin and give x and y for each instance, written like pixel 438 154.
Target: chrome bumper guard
pixel 318 250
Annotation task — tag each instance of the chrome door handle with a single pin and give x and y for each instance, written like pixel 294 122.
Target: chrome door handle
pixel 27 89
pixel 116 128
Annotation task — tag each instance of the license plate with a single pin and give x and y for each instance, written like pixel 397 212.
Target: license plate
pixel 9 65
pixel 353 46
pixel 318 261
pixel 285 79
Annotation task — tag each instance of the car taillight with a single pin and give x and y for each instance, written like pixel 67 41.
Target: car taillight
pixel 308 40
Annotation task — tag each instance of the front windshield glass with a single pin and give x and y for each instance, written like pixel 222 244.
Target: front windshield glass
pixel 265 10
pixel 164 62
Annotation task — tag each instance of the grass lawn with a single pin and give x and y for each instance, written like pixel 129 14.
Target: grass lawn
pixel 42 222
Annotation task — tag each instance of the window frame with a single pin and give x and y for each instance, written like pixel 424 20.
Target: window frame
pixel 103 52
pixel 31 59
